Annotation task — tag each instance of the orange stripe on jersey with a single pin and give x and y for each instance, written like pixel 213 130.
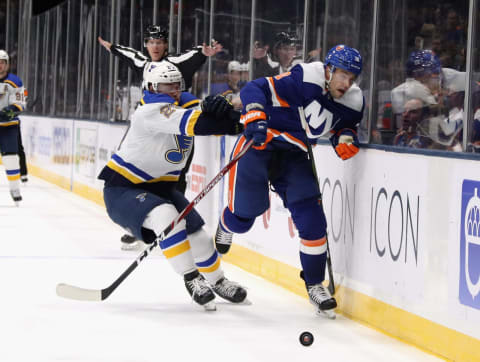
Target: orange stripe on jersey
pixel 232 174
pixel 280 76
pixel 252 116
pixel 318 242
pixel 289 137
pixel 282 102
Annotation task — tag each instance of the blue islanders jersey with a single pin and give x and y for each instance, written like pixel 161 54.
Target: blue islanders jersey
pixel 303 87
pixel 13 93
pixel 157 144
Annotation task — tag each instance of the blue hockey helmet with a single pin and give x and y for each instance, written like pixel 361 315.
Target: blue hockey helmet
pixel 345 58
pixel 422 62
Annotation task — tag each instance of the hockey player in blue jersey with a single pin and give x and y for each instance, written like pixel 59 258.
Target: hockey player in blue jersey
pixel 140 180
pixel 12 102
pixel 331 102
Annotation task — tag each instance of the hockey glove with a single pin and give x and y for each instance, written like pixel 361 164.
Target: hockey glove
pixel 218 106
pixel 258 131
pixel 345 142
pixel 8 113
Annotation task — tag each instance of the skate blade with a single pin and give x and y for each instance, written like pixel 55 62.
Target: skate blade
pixel 210 306
pixel 133 246
pixel 330 314
pixel 246 301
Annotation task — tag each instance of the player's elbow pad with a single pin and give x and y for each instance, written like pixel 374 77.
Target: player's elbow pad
pixel 207 125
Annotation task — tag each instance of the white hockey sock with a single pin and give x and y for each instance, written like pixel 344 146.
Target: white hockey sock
pixel 12 168
pixel 175 246
pixel 205 256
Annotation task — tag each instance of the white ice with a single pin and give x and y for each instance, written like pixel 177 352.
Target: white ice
pixel 56 236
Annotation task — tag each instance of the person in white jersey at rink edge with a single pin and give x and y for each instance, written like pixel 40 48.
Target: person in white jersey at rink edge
pixel 12 102
pixel 155 40
pixel 272 107
pixel 140 180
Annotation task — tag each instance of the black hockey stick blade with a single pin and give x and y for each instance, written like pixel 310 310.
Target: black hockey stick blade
pixel 72 292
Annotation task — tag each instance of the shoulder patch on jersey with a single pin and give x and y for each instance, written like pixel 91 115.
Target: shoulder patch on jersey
pixel 13 80
pixel 314 73
pixel 352 99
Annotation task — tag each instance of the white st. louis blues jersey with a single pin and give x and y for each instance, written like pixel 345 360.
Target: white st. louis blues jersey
pixel 158 142
pixel 12 92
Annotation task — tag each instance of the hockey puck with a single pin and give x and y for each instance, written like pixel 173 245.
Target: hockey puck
pixel 306 339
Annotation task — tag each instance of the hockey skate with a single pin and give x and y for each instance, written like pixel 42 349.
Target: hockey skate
pixel 320 297
pixel 129 242
pixel 24 178
pixel 198 288
pixel 231 291
pixel 223 240
pixel 16 196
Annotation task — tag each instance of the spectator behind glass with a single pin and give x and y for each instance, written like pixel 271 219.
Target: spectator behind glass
pixel 408 135
pixel 441 92
pixel 281 59
pixel 235 81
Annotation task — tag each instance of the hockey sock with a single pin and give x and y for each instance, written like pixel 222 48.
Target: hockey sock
pixel 205 256
pixel 175 246
pixel 232 223
pixel 313 257
pixel 12 168
pixel 310 221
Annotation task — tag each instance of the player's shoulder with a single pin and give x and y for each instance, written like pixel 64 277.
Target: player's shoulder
pixel 13 80
pixel 312 73
pixel 188 100
pixel 353 98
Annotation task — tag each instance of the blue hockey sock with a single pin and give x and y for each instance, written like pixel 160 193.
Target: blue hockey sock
pixel 313 267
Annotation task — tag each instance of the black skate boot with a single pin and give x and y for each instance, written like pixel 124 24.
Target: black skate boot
pixel 223 240
pixel 320 297
pixel 198 288
pixel 231 291
pixel 129 242
pixel 16 196
pixel 24 178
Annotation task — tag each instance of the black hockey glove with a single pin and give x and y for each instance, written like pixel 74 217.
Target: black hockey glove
pixel 218 106
pixel 8 113
pixel 207 124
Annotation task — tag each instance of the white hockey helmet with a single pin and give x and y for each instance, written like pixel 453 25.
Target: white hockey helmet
pixel 4 56
pixel 162 73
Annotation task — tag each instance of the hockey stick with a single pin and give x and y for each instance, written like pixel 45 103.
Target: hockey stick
pixel 331 284
pixel 77 293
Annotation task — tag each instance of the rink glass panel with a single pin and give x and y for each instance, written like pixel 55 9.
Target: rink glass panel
pixel 404 27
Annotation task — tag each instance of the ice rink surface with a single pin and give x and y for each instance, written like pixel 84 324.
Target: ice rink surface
pixel 56 236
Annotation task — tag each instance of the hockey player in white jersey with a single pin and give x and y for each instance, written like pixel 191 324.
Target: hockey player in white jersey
pixel 12 102
pixel 140 180
pixel 155 40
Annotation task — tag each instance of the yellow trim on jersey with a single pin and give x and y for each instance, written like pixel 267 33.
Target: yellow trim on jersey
pixel 192 121
pixel 177 249
pixel 19 107
pixel 142 101
pixel 164 178
pixel 124 172
pixel 13 177
pixel 11 83
pixel 211 268
pixel 11 123
pixel 188 104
